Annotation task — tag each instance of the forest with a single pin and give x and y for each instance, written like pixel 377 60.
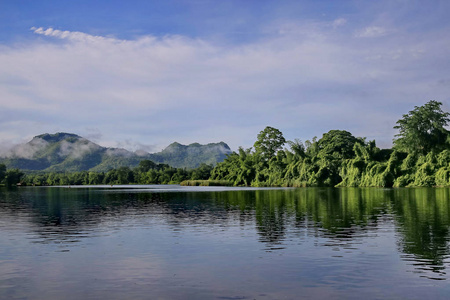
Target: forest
pixel 147 172
pixel 419 157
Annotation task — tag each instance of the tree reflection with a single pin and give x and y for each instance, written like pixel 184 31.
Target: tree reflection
pixel 423 217
pixel 270 214
pixel 340 217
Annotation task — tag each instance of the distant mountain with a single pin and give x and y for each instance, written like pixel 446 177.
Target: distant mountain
pixel 191 156
pixel 61 152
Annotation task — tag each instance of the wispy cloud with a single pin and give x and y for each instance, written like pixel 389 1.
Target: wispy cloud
pixel 24 150
pixel 372 31
pixel 339 22
pixel 70 35
pixel 77 149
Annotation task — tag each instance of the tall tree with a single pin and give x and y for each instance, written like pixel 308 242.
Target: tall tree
pixel 269 141
pixel 422 129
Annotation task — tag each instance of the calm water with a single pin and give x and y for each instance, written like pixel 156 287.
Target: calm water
pixel 170 242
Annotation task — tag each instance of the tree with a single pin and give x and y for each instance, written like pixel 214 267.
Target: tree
pixel 203 172
pixel 145 165
pixel 179 176
pixel 13 177
pixel 337 143
pixel 422 129
pixel 95 178
pixel 124 175
pixel 269 141
pixel 298 147
pixel 111 177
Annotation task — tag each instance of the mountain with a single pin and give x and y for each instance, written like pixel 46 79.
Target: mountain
pixel 191 156
pixel 69 152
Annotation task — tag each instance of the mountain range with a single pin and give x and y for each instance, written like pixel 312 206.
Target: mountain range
pixel 68 152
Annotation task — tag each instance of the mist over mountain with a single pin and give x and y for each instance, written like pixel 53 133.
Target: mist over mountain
pixel 68 152
pixel 192 155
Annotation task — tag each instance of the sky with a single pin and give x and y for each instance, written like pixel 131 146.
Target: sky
pixel 143 74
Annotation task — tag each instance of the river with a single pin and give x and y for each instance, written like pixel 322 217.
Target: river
pixel 172 242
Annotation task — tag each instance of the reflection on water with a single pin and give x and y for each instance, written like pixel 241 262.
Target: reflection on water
pixel 324 242
pixel 423 217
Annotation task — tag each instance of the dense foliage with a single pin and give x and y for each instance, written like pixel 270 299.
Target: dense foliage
pixel 10 177
pixel 147 172
pixel 422 129
pixel 421 157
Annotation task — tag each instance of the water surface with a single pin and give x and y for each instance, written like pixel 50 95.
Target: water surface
pixel 171 242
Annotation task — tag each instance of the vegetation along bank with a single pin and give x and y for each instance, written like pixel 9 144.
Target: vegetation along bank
pixel 420 157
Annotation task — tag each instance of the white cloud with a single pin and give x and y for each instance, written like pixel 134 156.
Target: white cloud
pixel 156 90
pixel 25 150
pixel 139 148
pixel 339 22
pixel 118 152
pixel 77 149
pixel 371 32
pixel 70 35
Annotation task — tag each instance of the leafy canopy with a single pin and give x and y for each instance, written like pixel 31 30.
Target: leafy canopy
pixel 268 142
pixel 422 129
pixel 338 143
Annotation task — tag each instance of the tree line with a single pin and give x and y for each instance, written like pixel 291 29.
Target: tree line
pixel 420 157
pixel 147 172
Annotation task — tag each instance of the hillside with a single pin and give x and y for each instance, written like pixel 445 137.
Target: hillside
pixel 191 156
pixel 68 152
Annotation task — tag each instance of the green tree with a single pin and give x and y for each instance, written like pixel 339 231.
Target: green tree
pixel 337 143
pixel 124 175
pixel 95 178
pixel 203 172
pixel 422 129
pixel 311 147
pixel 13 176
pixel 111 177
pixel 268 142
pixel 145 165
pixel 298 147
pixel 179 176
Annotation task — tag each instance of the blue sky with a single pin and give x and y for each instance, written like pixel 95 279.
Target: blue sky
pixel 142 74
